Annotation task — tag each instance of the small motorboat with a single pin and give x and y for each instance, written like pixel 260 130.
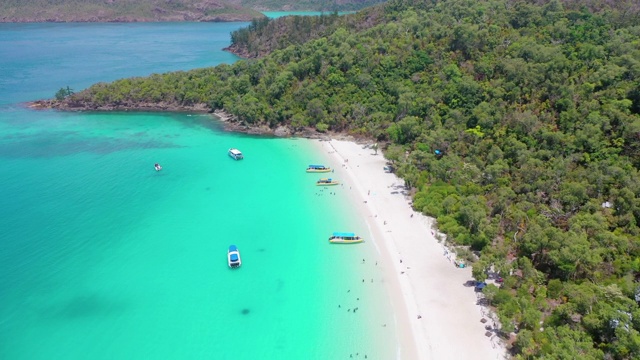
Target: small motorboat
pixel 233 257
pixel 327 182
pixel 157 167
pixel 318 169
pixel 236 154
pixel 345 238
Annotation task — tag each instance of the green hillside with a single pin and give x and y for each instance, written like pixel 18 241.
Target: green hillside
pixel 160 10
pixel 123 10
pixel 318 5
pixel 264 36
pixel 534 110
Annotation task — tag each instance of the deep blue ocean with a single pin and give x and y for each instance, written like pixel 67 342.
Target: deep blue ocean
pixel 101 257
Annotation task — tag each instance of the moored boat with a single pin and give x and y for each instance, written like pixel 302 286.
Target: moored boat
pixel 327 182
pixel 233 257
pixel 318 169
pixel 345 238
pixel 157 167
pixel 236 154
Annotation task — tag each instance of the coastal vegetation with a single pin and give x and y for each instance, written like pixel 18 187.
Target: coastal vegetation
pixel 63 93
pixel 263 36
pixel 516 123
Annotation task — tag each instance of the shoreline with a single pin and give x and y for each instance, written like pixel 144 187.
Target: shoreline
pixel 435 312
pixel 228 121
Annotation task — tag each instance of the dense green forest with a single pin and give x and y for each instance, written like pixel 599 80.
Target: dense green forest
pixel 534 107
pixel 264 36
pixel 123 10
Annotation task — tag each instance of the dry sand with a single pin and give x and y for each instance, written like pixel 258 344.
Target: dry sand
pixel 436 314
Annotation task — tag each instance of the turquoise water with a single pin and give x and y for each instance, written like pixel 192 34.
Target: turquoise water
pixel 277 14
pixel 101 257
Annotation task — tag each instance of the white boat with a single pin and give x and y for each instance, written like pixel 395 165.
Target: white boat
pixel 157 167
pixel 233 257
pixel 235 154
pixel 318 169
pixel 327 182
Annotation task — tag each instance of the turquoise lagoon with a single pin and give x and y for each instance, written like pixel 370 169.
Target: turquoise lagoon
pixel 277 14
pixel 101 257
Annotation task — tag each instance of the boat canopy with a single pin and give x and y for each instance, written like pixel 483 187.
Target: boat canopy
pixel 317 167
pixel 234 257
pixel 233 248
pixel 344 234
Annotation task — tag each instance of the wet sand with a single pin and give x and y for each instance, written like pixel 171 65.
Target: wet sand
pixel 436 314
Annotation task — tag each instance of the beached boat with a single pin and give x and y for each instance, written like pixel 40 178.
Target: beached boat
pixel 235 154
pixel 318 169
pixel 345 238
pixel 327 182
pixel 233 257
pixel 157 167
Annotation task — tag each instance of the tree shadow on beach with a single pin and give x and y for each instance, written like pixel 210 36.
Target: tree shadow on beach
pixel 470 283
pixel 399 189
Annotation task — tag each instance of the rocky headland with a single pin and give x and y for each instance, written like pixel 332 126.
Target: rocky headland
pixel 126 11
pixel 229 121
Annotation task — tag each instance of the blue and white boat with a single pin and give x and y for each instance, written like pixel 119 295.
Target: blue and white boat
pixel 345 238
pixel 327 182
pixel 233 257
pixel 318 169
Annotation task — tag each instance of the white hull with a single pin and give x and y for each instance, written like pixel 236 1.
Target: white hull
pixel 234 264
pixel 235 154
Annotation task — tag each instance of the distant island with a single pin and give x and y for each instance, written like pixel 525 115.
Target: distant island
pixel 23 11
pixel 123 11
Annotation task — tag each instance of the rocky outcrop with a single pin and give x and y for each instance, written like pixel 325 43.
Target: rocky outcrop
pixel 229 121
pixel 78 106
pixel 232 123
pixel 282 131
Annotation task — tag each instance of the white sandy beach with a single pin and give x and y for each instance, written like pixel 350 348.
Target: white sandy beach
pixel 437 316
